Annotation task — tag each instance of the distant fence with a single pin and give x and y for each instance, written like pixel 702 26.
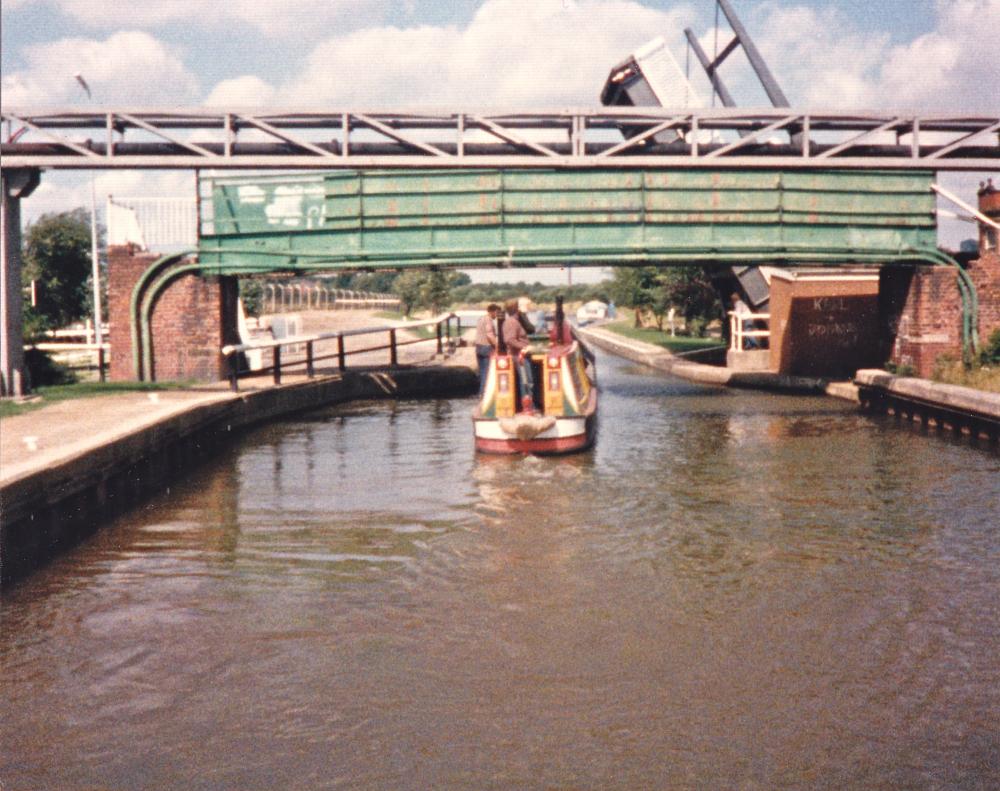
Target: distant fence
pixel 283 297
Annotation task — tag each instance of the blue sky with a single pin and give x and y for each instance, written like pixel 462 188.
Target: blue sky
pixel 904 55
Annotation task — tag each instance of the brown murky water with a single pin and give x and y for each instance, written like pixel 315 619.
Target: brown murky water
pixel 733 590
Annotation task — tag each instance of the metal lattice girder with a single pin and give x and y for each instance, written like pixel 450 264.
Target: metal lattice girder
pixel 585 138
pixel 392 219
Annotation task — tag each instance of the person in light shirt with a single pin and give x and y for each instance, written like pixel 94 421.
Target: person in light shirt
pixel 486 342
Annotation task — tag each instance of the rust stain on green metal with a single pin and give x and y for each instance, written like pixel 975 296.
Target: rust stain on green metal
pixel 344 220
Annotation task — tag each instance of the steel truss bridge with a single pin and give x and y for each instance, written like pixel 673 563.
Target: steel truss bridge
pixel 578 138
pixel 501 219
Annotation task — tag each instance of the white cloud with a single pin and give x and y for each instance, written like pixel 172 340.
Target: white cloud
pixel 823 60
pixel 67 190
pixel 952 68
pixel 129 67
pixel 245 91
pixel 512 54
pixel 278 18
pixel 820 59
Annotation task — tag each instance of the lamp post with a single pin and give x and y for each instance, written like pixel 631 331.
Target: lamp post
pixel 95 261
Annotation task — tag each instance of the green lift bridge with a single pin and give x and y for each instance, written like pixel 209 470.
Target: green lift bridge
pixel 448 218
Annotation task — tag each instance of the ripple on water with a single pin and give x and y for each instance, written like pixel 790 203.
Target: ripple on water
pixel 729 589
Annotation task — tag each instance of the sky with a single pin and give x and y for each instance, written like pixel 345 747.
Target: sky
pixel 921 56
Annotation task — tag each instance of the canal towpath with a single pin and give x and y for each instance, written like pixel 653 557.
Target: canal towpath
pixel 40 438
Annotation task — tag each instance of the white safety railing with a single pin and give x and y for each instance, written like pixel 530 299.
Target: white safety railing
pixel 743 326
pixel 283 297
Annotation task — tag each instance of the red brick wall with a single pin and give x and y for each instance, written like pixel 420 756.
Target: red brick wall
pixel 929 319
pixel 985 274
pixel 823 326
pixel 124 268
pixel 922 311
pixel 191 321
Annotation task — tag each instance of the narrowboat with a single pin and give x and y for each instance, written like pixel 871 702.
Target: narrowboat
pixel 559 416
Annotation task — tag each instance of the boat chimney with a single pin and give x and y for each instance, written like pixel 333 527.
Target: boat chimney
pixel 560 318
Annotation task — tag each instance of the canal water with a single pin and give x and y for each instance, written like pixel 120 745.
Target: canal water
pixel 732 590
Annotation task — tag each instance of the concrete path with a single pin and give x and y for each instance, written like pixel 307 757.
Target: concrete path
pixel 64 430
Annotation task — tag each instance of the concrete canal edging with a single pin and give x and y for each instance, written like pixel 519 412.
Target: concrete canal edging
pixel 52 504
pixel 947 407
pixel 960 409
pixel 687 368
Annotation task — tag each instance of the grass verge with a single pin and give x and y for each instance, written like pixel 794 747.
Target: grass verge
pixel 679 343
pixel 980 378
pixel 49 395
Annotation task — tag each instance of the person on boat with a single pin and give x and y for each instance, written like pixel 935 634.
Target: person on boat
pixel 486 342
pixel 742 314
pixel 522 316
pixel 516 341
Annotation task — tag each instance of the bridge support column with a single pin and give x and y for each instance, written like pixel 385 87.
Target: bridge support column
pixel 921 311
pixel 16 184
pixel 191 321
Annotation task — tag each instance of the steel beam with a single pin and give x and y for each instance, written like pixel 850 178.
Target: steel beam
pixel 572 138
pixel 771 87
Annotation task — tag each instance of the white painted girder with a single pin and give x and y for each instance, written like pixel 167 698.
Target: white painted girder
pixel 573 138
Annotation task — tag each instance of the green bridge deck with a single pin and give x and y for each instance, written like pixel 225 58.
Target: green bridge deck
pixel 396 219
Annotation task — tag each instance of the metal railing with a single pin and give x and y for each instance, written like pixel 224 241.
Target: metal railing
pixel 738 333
pixel 232 353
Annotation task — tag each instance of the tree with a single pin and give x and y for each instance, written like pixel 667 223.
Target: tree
pixel 633 287
pixel 408 288
pixel 57 257
pixel 658 289
pixel 689 289
pixel 435 292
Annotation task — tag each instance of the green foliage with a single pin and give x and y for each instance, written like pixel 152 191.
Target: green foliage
pixel 43 371
pixel 431 290
pixel 435 292
pixel 376 282
pixel 479 293
pixel 57 257
pixel 408 287
pixel 990 353
pixel 252 294
pixel 688 289
pixel 633 287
